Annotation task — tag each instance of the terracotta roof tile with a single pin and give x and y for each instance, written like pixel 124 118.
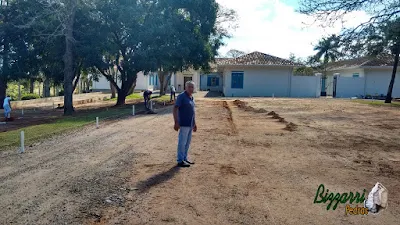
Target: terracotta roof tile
pixel 256 58
pixel 383 60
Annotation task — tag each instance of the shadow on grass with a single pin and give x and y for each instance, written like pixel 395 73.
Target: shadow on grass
pixel 157 179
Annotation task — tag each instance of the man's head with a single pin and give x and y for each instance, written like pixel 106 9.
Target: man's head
pixel 189 87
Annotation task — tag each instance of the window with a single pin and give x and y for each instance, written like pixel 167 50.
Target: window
pixel 153 79
pixel 212 81
pixel 237 79
pixel 356 75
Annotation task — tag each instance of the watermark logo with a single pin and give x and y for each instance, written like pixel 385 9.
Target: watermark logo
pixel 374 203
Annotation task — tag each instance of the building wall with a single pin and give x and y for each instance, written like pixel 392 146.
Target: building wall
pixel 142 82
pixel 347 72
pixel 348 87
pixel 341 73
pixel 103 84
pixel 180 77
pixel 374 82
pixel 204 82
pixel 377 82
pixel 305 86
pixel 259 81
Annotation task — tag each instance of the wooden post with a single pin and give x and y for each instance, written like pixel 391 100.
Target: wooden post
pixel 22 149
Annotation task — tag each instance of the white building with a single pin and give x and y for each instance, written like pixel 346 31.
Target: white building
pixel 366 76
pixel 261 75
pixel 254 74
pixel 152 82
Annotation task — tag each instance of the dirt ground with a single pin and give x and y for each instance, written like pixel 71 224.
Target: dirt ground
pixel 252 167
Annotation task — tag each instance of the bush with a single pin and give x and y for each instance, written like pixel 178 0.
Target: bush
pixel 12 90
pixel 61 93
pixel 30 96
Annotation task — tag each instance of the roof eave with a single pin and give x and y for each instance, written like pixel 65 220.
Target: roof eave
pixel 260 65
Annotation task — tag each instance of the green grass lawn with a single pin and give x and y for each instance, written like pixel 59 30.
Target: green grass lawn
pixel 156 98
pixel 42 131
pixel 378 103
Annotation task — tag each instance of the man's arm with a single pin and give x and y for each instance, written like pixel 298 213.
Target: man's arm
pixel 175 113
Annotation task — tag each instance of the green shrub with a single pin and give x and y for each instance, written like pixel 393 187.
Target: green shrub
pixel 61 93
pixel 30 96
pixel 12 90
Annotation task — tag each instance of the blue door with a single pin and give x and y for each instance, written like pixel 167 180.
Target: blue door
pixel 237 80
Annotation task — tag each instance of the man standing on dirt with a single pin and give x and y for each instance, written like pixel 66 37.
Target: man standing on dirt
pixel 185 122
pixel 147 96
pixel 7 107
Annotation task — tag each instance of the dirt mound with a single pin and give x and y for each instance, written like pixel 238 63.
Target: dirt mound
pixel 290 127
pixel 282 120
pixel 240 104
pixel 261 111
pixel 276 116
pixel 272 113
pixel 243 105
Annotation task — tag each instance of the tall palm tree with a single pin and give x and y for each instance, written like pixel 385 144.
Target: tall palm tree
pixel 327 49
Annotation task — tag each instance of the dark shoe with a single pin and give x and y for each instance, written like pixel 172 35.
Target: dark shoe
pixel 183 164
pixel 191 163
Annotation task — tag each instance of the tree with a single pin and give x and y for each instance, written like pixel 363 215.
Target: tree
pixel 18 59
pixel 234 53
pixel 381 12
pixel 381 41
pixel 327 49
pixel 186 35
pixel 120 32
pixel 304 69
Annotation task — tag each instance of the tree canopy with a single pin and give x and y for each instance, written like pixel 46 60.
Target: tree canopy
pixel 58 40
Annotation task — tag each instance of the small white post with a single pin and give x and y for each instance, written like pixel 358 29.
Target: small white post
pixel 273 95
pixel 22 149
pixel 133 110
pixel 53 104
pixel 164 103
pixel 97 122
pixel 22 112
pixel 151 105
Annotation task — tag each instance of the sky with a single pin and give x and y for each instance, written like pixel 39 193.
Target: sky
pixel 274 27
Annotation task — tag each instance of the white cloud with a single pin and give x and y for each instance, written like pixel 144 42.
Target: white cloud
pixel 273 27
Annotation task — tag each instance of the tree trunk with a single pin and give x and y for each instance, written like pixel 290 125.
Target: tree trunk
pixel 390 89
pixel 161 76
pixel 121 97
pixel 78 76
pixel 113 90
pixel 4 74
pixel 132 89
pixel 3 88
pixel 31 85
pixel 46 88
pixel 68 62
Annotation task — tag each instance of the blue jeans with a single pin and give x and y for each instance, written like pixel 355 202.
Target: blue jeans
pixel 184 138
pixel 7 110
pixel 146 103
